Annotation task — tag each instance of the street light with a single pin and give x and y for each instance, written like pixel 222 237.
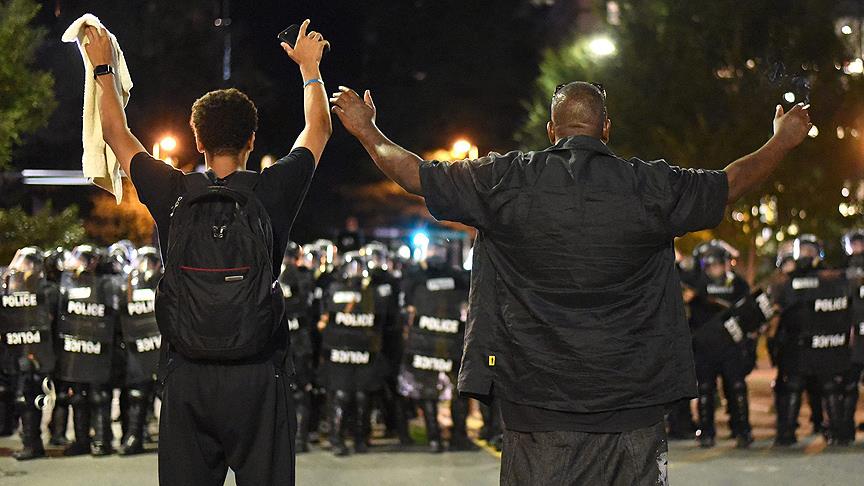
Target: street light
pixel 167 144
pixel 463 148
pixel 602 46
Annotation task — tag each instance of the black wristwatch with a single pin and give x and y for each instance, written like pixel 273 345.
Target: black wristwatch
pixel 102 69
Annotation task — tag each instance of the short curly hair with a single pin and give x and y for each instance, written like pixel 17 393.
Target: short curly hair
pixel 223 121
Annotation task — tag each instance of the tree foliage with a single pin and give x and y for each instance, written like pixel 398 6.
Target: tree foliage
pixel 26 94
pixel 696 83
pixel 44 229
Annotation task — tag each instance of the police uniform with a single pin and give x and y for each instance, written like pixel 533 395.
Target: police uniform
pixel 141 343
pixel 353 366
pixel 812 341
pixel 433 350
pixel 26 326
pixel 297 288
pixel 714 357
pixel 53 263
pixel 89 304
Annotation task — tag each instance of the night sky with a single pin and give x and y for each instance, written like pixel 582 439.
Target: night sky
pixel 437 69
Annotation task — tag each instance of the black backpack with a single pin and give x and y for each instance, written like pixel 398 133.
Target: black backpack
pixel 218 299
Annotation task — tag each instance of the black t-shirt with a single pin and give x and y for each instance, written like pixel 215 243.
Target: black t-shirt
pixel 281 189
pixel 575 301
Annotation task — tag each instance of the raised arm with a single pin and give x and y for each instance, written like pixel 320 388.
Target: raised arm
pixel 358 117
pixel 307 53
pixel 748 172
pixel 115 131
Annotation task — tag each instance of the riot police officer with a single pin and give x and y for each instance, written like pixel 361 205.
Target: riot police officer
pixel 321 258
pixel 89 302
pixel 717 291
pixel 27 314
pixel 785 264
pixel 853 244
pixel 297 288
pixel 380 264
pixel 352 364
pixel 435 297
pixel 812 340
pixel 141 342
pixel 54 260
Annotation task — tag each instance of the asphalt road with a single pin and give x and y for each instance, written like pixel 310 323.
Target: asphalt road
pixel 810 462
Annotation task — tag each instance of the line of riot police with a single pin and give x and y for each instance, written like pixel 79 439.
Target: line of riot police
pixel 375 338
pixel 813 319
pixel 77 325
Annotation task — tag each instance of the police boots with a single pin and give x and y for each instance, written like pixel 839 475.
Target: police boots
pixel 100 401
pixel 302 404
pixel 788 407
pixel 132 441
pixel 832 396
pixel 433 430
pixel 338 410
pixel 401 406
pixel 81 423
pixel 8 421
pixel 59 422
pixel 459 440
pixel 740 408
pixel 362 424
pixel 850 402
pixel 31 433
pixel 706 407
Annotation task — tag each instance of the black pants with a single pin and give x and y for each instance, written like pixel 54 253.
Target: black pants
pixel 577 458
pixel 219 416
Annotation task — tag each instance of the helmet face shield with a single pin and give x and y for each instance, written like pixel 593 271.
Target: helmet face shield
pixel 25 271
pixel 807 251
pixel 353 266
pixel 377 255
pixel 853 242
pixel 147 264
pixel 82 258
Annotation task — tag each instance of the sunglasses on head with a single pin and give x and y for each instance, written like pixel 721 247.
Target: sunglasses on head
pixel 596 85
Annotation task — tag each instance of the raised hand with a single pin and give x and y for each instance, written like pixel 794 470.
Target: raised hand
pixel 356 114
pixel 308 48
pixel 99 50
pixel 790 129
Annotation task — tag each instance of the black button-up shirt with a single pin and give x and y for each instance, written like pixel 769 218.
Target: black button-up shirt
pixel 575 301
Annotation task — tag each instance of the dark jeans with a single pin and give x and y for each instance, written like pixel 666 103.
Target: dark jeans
pixel 577 458
pixel 220 416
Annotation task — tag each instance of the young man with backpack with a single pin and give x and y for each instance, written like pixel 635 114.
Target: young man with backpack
pixel 226 402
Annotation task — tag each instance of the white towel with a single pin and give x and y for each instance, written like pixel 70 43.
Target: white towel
pixel 99 162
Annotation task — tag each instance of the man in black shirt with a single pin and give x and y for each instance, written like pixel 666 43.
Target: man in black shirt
pixel 575 314
pixel 218 415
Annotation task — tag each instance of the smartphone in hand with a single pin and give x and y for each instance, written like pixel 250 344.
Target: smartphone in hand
pixel 289 36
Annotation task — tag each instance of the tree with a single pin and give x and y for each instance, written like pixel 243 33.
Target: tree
pixel 43 229
pixel 26 94
pixel 696 83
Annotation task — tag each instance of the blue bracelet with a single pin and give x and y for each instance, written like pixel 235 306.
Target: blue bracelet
pixel 313 80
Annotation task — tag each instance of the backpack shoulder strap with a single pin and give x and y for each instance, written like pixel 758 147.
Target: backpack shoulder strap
pixel 243 180
pixel 195 182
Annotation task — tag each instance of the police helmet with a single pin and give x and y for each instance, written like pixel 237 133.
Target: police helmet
pixel 354 265
pixel 377 256
pixel 147 263
pixel 853 242
pixel 807 250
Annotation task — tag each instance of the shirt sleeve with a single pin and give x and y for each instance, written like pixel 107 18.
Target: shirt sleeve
pixel 693 199
pixel 458 191
pixel 286 184
pixel 156 183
